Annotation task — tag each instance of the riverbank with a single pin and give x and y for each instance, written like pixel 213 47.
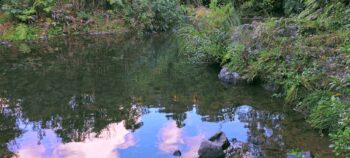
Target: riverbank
pixel 305 60
pixel 42 19
pixel 96 23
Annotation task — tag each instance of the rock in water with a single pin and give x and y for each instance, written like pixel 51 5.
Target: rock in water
pixel 177 153
pixel 228 76
pixel 210 150
pixel 214 147
pixel 220 139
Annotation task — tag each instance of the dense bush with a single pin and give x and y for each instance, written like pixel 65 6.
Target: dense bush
pixel 207 38
pixel 148 15
pixel 27 10
pixel 21 32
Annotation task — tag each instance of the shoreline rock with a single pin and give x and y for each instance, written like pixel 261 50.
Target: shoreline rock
pixel 229 77
pixel 218 146
pixel 5 43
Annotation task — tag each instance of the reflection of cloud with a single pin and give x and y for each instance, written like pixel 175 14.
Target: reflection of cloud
pixel 171 137
pixel 193 144
pixel 104 145
pixel 34 151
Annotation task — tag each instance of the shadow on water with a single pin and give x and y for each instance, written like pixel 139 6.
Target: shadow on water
pixel 125 97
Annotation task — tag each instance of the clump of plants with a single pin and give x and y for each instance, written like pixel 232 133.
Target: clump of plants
pixel 148 15
pixel 207 35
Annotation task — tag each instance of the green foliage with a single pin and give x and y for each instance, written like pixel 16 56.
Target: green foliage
pixel 148 15
pixel 312 100
pixel 341 141
pixel 340 86
pixel 166 14
pixel 293 6
pixel 333 115
pixel 207 39
pixel 325 116
pixel 259 7
pixel 21 32
pixel 54 31
pixel 83 15
pixel 331 14
pixel 27 10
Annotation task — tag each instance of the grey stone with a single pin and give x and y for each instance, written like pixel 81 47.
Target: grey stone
pixel 209 149
pixel 5 43
pixel 214 147
pixel 220 139
pixel 288 31
pixel 269 87
pixel 229 77
pixel 177 153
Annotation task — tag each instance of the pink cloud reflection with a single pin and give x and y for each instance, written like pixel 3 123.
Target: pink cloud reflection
pixel 112 138
pixel 171 138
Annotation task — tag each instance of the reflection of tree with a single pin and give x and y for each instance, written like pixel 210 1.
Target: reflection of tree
pixel 84 87
pixel 8 127
pixel 263 126
pixel 272 133
pixel 89 83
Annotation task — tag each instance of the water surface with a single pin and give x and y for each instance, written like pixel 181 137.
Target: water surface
pixel 126 97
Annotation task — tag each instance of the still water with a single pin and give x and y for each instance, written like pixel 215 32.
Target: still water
pixel 126 97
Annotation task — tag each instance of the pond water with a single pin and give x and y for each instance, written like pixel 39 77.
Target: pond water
pixel 125 97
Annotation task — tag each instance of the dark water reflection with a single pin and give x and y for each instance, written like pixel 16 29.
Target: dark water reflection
pixel 126 97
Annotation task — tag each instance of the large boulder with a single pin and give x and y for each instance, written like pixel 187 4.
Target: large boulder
pixel 229 77
pixel 214 147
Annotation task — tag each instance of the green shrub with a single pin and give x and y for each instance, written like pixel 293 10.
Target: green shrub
pixel 21 32
pixel 312 100
pixel 83 15
pixel 148 15
pixel 341 142
pixel 27 10
pixel 327 114
pixel 207 39
pixel 293 6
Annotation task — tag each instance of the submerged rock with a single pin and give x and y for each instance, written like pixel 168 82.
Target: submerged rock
pixel 229 77
pixel 214 147
pixel 269 87
pixel 5 43
pixel 177 153
pixel 218 146
pixel 210 150
pixel 220 139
